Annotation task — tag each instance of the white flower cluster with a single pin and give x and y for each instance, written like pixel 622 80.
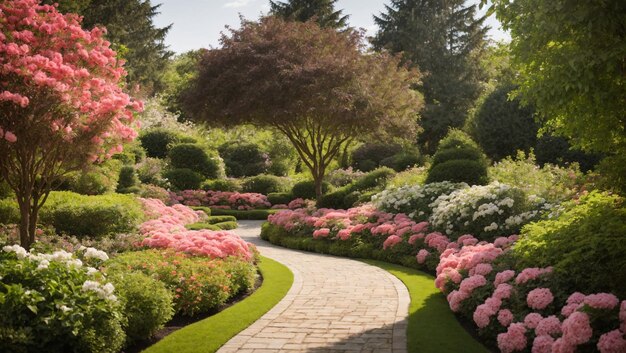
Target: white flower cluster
pixel 61 256
pixel 93 253
pixel 103 291
pixel 413 200
pixel 491 208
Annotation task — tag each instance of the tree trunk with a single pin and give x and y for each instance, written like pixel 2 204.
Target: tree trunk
pixel 25 222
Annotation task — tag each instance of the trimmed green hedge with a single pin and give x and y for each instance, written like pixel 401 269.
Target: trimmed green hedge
pixel 258 215
pixel 202 226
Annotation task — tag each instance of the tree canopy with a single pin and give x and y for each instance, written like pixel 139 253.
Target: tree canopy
pixel 315 85
pixel 444 39
pixel 323 11
pixel 62 103
pixel 571 58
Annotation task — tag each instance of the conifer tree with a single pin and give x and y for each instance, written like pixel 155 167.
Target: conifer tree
pixel 304 10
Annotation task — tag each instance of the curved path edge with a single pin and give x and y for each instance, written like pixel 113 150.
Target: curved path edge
pixel 334 305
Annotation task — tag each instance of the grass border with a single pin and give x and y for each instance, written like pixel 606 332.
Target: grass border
pixel 432 327
pixel 210 334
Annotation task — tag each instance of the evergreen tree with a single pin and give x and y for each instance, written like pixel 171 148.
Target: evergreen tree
pixel 304 10
pixel 131 30
pixel 445 40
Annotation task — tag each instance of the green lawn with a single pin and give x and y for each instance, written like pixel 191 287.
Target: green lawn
pixel 211 333
pixel 432 326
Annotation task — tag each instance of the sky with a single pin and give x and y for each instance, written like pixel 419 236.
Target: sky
pixel 198 23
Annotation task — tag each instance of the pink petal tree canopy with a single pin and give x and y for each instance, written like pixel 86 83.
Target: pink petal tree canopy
pixel 62 103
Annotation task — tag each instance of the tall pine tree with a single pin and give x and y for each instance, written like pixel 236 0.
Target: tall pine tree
pixel 444 39
pixel 133 34
pixel 304 10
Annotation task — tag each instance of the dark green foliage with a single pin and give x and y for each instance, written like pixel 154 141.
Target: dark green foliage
pixel 183 179
pixel 5 190
pixel 196 158
pixel 220 219
pixel 458 159
pixel 585 244
pixel 445 39
pixel 369 156
pixel 227 225
pixel 95 180
pixel 93 216
pixel 502 126
pixel 377 178
pixel 334 199
pixel 134 36
pixel 204 209
pixel 221 185
pixel 306 189
pixel 280 198
pixel 244 159
pixel 322 11
pixel 612 170
pixel 133 153
pixel 128 180
pixel 404 160
pixel 265 184
pixel 157 141
pixel 557 150
pixel 346 197
pixel 147 304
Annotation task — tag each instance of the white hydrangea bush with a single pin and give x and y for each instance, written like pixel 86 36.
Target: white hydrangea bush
pixel 485 211
pixel 414 200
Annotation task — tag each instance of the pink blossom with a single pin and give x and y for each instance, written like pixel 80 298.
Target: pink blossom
pixel 323 232
pixel 469 284
pixel 548 326
pixel 532 320
pixel 482 315
pixel 503 291
pixel 503 276
pixel 576 298
pixel 413 238
pixel 605 301
pixel 391 241
pixel 532 273
pixel 542 344
pixel 514 339
pixel 569 309
pixel 9 136
pixel 481 269
pixel 577 329
pixel 505 317
pixel 563 346
pixel 539 298
pixel 612 342
pixel 421 256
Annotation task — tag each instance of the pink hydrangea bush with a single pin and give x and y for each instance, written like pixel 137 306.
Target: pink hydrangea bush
pixel 167 231
pixel 222 199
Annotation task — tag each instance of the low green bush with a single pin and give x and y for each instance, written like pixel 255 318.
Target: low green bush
pixel 204 209
pixel 244 159
pixel 208 283
pixel 369 156
pixel 9 212
pixel 50 305
pixel 150 171
pixel 220 219
pixel 265 184
pixel 96 180
pixel 404 160
pixel 346 197
pixel 232 185
pixel 306 190
pixel 157 141
pixel 585 244
pixel 459 171
pixel 154 192
pixel 147 304
pixel 93 216
pixel 243 215
pixel 196 158
pixel 128 180
pixel 132 154
pixel 280 198
pixel 377 178
pixel 202 226
pixel 227 225
pixel 334 199
pixel 183 179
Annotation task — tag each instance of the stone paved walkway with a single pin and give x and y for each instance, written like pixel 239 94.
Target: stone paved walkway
pixel 334 305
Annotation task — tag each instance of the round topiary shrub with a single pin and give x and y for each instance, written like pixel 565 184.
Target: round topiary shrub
pixel 280 198
pixel 502 126
pixel 458 159
pixel 585 244
pixel 231 185
pixel 369 156
pixel 334 199
pixel 157 141
pixel 147 304
pixel 128 180
pixel 377 178
pixel 244 159
pixel 306 189
pixel 404 160
pixel 184 179
pixel 265 184
pixel 196 158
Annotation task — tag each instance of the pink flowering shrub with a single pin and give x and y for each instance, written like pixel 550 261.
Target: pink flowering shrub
pixel 167 231
pixel 222 199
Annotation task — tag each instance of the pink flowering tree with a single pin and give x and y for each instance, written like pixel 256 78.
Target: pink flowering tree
pixel 62 103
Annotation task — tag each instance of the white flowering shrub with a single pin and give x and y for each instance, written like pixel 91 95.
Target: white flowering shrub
pixel 414 200
pixel 57 303
pixel 485 211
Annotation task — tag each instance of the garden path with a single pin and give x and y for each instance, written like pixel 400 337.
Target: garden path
pixel 334 305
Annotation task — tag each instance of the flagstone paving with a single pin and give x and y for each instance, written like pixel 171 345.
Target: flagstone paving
pixel 334 305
